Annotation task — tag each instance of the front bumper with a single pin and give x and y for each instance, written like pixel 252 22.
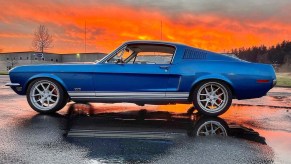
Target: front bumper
pixel 12 84
pixel 15 86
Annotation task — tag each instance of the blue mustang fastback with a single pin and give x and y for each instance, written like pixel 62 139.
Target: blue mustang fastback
pixel 146 72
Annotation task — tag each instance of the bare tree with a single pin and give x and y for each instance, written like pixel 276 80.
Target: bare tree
pixel 42 39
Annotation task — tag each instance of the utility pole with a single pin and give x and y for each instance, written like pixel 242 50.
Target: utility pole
pixel 85 42
pixel 161 30
pixel 85 36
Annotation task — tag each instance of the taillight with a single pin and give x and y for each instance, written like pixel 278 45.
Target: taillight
pixel 263 81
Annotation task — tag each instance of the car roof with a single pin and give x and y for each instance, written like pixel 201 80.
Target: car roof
pixel 153 42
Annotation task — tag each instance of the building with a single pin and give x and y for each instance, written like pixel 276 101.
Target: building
pixel 12 59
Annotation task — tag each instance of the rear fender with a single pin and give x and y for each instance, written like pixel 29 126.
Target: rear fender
pixel 212 77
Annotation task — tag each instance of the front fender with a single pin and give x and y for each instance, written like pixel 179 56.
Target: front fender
pixel 45 75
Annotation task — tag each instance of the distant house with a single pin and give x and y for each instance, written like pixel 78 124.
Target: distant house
pixel 12 59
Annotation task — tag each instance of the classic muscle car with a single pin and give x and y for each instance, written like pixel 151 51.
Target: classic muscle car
pixel 146 72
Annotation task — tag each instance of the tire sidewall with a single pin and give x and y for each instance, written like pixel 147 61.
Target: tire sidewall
pixel 62 96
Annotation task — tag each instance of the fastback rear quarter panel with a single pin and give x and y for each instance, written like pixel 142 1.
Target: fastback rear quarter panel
pixel 241 76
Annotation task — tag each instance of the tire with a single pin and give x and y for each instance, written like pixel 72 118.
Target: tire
pixel 212 98
pixel 46 96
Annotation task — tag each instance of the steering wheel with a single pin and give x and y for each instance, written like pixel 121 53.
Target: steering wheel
pixel 120 60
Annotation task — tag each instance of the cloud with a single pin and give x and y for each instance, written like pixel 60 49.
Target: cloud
pixel 216 25
pixel 246 10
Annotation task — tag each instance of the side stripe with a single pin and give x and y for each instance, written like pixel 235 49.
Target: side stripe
pixel 130 94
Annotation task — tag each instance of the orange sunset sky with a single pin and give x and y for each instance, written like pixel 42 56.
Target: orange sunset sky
pixel 217 25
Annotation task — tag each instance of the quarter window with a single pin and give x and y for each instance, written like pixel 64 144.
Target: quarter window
pixel 153 58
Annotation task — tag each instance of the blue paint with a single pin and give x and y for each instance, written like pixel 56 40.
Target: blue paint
pixel 181 75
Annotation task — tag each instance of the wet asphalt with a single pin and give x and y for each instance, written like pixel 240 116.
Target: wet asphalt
pixel 258 131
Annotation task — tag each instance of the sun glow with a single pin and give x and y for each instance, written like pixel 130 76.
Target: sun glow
pixel 110 24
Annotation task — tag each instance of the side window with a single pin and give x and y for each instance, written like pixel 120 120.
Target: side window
pixel 121 55
pixel 144 54
pixel 116 57
pixel 153 58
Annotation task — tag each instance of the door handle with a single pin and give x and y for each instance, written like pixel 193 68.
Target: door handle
pixel 164 67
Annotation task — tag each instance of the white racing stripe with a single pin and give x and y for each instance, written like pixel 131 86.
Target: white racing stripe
pixel 130 94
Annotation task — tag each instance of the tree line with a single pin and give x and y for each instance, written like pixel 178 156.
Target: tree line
pixel 276 54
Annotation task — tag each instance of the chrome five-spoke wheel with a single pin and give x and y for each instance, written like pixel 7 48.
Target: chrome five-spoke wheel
pixel 46 96
pixel 212 98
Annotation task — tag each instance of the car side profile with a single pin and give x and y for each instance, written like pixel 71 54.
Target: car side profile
pixel 146 72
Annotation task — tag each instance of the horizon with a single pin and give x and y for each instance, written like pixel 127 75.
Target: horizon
pixel 226 52
pixel 214 25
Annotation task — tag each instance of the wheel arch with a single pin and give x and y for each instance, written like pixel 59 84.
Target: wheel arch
pixel 207 79
pixel 47 76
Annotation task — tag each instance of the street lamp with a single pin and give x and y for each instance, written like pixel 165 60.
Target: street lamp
pixel 78 57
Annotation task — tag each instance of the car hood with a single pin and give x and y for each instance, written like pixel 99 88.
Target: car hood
pixel 51 68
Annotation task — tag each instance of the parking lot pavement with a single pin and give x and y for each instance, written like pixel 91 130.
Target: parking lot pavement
pixel 277 97
pixel 126 133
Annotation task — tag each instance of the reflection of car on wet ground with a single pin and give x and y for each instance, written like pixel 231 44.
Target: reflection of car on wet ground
pixel 83 121
pixel 140 136
pixel 146 72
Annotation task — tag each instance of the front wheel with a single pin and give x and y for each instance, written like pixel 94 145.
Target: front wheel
pixel 46 96
pixel 212 98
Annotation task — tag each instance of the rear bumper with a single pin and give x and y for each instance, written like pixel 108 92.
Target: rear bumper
pixel 274 82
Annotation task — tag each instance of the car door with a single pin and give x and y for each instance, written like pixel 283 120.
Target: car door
pixel 137 70
pixel 148 80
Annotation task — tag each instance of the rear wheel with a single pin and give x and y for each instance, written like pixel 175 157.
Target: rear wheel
pixel 46 96
pixel 210 126
pixel 212 98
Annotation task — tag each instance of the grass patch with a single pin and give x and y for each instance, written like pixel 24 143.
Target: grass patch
pixel 283 79
pixel 3 73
